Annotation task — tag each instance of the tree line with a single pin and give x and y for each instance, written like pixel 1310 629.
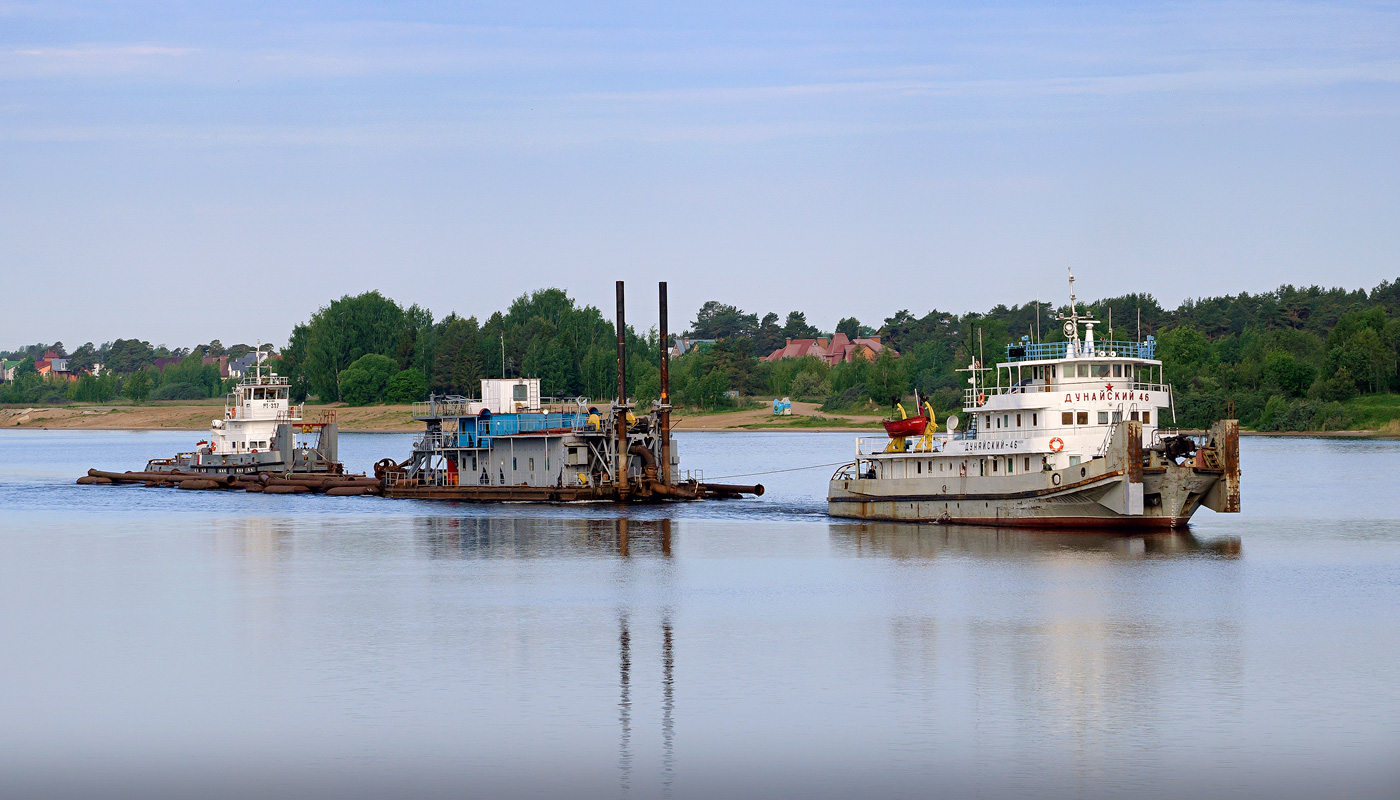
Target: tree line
pixel 127 369
pixel 1290 359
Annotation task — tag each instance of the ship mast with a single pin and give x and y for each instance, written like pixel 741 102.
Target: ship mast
pixel 1072 321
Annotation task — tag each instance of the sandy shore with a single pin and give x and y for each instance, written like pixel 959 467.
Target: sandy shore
pixel 385 419
pixel 398 419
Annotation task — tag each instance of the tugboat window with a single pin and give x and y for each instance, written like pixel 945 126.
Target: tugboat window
pixel 1066 417
pixel 532 465
pixel 1083 370
pixel 1082 418
pixel 1035 420
pixel 1103 417
pixel 1018 420
pixel 1146 417
pixel 1133 415
pixel 1117 370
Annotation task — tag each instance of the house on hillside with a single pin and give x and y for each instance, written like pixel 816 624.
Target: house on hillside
pixel 55 366
pixel 7 369
pixel 684 344
pixel 219 361
pixel 238 367
pixel 836 350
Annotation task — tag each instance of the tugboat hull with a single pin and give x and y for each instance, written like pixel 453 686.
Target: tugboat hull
pixel 1115 491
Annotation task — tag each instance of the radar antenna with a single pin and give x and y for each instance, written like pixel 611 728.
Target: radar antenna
pixel 1072 321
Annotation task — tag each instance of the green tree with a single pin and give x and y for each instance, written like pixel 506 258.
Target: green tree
pixel 346 330
pixel 796 327
pixel 1285 373
pixel 408 386
pixel 849 326
pixel 125 356
pixel 366 379
pixel 885 379
pixel 715 320
pixel 768 337
pixel 457 361
pixel 137 386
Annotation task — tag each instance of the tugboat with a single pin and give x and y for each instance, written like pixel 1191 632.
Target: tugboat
pixel 261 431
pixel 514 445
pixel 1067 435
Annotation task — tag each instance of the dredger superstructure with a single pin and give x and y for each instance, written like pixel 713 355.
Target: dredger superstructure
pixel 512 444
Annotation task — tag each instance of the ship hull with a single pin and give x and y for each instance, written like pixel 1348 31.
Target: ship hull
pixel 1112 492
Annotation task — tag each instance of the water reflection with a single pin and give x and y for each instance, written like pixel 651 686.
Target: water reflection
pixel 532 537
pixel 626 704
pixel 909 540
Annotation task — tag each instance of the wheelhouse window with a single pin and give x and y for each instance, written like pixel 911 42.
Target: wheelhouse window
pixel 1100 370
pixel 1117 370
pixel 1083 370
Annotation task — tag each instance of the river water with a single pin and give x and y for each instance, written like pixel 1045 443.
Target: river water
pixel 159 642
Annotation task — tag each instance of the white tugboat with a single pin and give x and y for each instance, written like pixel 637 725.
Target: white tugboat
pixel 1066 435
pixel 261 431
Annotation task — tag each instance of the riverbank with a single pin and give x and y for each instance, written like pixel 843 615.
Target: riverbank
pixel 388 418
pixel 398 419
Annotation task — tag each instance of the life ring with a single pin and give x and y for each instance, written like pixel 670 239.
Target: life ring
pixel 981 399
pixel 1057 444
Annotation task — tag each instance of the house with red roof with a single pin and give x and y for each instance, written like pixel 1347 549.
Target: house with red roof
pixel 836 350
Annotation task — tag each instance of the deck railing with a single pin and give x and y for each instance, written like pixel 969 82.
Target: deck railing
pixel 449 407
pixel 1104 348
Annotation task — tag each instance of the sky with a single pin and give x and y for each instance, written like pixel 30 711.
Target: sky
pixel 184 172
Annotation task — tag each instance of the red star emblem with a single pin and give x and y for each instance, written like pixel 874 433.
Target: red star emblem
pixel 1108 388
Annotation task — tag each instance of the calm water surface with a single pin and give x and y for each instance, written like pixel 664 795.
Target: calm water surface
pixel 207 644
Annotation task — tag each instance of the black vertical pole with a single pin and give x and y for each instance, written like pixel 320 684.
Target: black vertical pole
pixel 620 413
pixel 664 412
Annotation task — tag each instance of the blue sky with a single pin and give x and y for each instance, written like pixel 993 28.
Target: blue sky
pixel 178 172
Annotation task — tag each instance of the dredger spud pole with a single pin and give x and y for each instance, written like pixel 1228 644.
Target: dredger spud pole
pixel 664 412
pixel 620 412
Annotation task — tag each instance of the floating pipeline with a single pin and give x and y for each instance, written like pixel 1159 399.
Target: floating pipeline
pixel 335 485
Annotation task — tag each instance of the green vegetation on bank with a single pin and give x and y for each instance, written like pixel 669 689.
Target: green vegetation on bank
pixel 1290 359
